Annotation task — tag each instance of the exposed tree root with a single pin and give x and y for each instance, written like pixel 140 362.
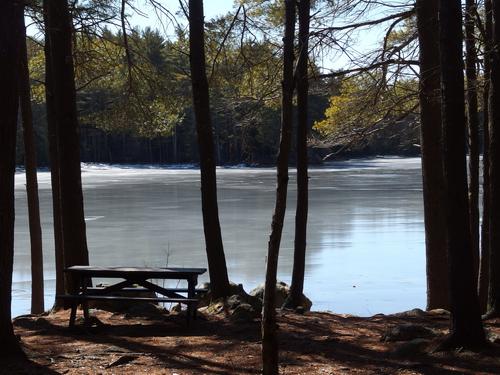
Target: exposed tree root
pixel 456 342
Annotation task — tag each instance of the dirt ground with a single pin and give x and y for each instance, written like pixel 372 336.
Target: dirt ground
pixel 312 343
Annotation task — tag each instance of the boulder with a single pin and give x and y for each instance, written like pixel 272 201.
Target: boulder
pixel 415 313
pixel 31 322
pixel 411 348
pixel 241 306
pixel 407 332
pixel 237 296
pixel 215 308
pixel 244 313
pixel 282 294
pixel 493 337
pixel 439 312
pixel 232 302
pixel 177 308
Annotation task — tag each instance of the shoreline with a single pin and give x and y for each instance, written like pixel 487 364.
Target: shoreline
pixel 195 165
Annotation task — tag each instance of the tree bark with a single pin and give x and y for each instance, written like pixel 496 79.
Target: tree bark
pixel 201 102
pixel 299 255
pixel 37 289
pixel 494 209
pixel 432 155
pixel 11 13
pixel 466 328
pixel 484 265
pixel 54 169
pixel 473 128
pixel 62 81
pixel 269 328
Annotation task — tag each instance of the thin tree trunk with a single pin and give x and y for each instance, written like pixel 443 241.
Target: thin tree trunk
pixel 484 267
pixel 269 334
pixel 494 287
pixel 466 327
pixel 54 172
pixel 59 29
pixel 299 255
pixel 473 128
pixel 11 13
pixel 37 290
pixel 432 155
pixel 201 102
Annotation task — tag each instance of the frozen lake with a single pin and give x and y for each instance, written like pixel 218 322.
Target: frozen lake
pixel 365 250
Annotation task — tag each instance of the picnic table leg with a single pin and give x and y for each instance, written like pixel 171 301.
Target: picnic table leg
pixel 191 311
pixel 72 316
pixel 85 303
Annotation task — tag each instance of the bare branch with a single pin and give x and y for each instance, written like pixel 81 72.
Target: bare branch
pixel 379 64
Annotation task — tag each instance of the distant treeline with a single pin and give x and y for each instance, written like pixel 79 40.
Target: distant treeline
pixel 234 143
pixel 100 146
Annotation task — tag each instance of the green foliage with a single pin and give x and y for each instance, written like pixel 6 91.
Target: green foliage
pixel 151 97
pixel 144 100
pixel 364 104
pixel 141 88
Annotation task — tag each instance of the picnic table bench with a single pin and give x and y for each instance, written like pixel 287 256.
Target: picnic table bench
pixel 131 277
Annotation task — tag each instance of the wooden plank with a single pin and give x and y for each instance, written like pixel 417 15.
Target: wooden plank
pixel 138 289
pixel 122 298
pixel 132 273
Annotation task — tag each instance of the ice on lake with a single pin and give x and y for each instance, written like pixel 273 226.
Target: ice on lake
pixel 365 250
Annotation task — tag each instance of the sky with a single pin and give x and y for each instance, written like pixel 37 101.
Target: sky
pixel 212 8
pixel 365 40
pixel 146 17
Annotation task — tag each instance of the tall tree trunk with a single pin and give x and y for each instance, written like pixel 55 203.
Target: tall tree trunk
pixel 11 13
pixel 473 128
pixel 494 209
pixel 213 238
pixel 59 31
pixel 466 328
pixel 299 255
pixel 37 290
pixel 484 266
pixel 269 335
pixel 54 169
pixel 432 155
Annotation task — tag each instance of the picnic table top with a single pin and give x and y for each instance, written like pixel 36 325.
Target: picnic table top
pixel 127 272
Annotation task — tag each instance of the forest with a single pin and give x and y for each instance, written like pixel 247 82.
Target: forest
pixel 285 84
pixel 146 114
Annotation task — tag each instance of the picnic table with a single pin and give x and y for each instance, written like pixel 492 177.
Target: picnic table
pixel 131 278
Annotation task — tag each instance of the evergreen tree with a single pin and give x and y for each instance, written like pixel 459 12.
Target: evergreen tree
pixel 432 157
pixel 61 78
pixel 201 103
pixel 269 328
pixel 11 13
pixel 466 328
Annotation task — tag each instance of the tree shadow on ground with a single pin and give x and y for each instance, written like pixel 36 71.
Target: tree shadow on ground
pixel 126 337
pixel 331 345
pixel 207 346
pixel 24 366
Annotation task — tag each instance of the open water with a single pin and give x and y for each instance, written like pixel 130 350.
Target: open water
pixel 365 251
